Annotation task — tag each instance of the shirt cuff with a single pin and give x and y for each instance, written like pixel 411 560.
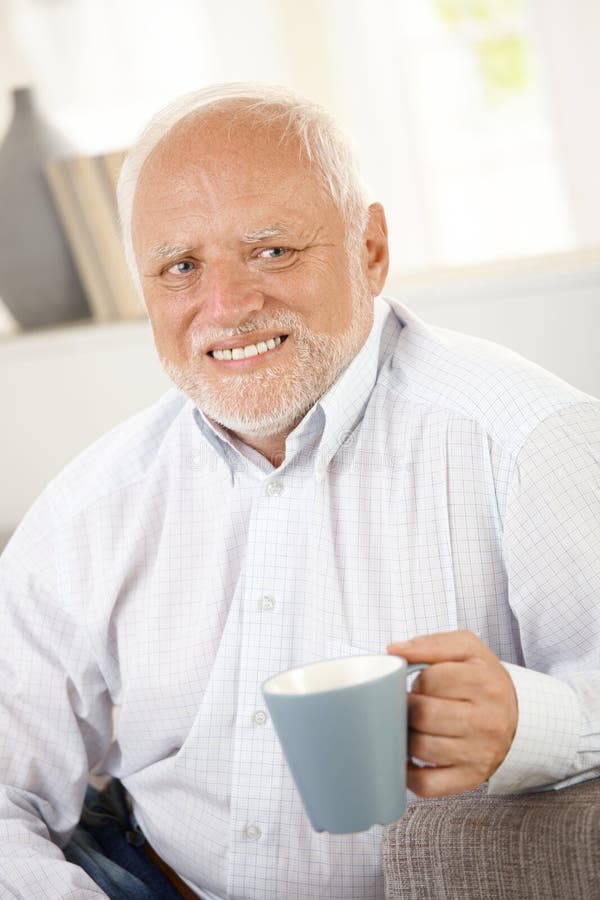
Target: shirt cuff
pixel 544 748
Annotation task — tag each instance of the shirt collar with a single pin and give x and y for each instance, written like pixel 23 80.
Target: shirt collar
pixel 335 415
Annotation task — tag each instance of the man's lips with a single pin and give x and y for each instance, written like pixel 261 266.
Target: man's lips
pixel 245 348
pixel 243 340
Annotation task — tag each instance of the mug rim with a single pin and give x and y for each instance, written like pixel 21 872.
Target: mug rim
pixel 401 663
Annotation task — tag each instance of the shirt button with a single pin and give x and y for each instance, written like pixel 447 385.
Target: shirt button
pixel 267 601
pixel 253 832
pixel 274 488
pixel 259 717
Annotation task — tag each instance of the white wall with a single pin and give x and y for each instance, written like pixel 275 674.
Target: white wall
pixel 569 37
pixel 61 389
pixel 546 309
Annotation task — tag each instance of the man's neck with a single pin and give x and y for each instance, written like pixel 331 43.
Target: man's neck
pixel 272 447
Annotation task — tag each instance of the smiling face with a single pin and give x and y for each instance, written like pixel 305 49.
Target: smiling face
pixel 255 303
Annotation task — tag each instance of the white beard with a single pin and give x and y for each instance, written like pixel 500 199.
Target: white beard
pixel 273 400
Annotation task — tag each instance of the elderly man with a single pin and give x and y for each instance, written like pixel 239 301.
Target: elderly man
pixel 330 476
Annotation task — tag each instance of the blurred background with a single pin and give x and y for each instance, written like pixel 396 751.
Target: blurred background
pixel 476 122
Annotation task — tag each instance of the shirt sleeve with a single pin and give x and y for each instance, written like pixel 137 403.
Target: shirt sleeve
pixel 552 540
pixel 55 719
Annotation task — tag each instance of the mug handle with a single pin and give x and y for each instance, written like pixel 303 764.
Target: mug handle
pixel 410 670
pixel 416 667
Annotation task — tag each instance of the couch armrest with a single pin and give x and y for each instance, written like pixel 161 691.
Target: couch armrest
pixel 541 846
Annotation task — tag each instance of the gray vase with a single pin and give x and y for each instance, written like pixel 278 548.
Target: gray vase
pixel 38 281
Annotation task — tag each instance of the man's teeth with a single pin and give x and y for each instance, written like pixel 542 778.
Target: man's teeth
pixel 250 350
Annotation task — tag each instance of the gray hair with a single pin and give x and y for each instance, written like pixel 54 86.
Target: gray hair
pixel 319 138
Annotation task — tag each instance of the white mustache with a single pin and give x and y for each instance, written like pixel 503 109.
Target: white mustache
pixel 284 321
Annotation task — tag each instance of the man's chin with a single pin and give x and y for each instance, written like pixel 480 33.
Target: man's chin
pixel 258 426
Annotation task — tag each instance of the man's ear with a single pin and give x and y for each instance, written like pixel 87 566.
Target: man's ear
pixel 376 245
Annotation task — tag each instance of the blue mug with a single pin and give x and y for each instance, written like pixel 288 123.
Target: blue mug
pixel 342 727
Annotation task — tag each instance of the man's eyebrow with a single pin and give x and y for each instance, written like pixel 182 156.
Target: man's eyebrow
pixel 269 231
pixel 162 252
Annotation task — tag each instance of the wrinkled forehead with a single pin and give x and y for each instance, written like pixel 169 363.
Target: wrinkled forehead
pixel 230 144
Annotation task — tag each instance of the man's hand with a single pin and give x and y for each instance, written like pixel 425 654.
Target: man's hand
pixel 462 713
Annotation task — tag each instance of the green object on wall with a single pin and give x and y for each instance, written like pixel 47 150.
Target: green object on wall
pixel 503 62
pixel 489 27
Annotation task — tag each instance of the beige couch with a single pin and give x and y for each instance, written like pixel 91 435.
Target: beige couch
pixel 542 846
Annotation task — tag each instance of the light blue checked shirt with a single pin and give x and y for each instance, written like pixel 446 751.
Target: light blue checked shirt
pixel 441 483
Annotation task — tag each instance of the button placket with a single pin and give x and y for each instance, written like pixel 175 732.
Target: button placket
pixel 264 587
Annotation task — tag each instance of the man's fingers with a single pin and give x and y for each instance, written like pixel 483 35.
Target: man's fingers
pixel 454 680
pixel 431 715
pixel 442 647
pixel 439 751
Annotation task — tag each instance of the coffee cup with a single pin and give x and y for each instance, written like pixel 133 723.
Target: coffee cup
pixel 342 727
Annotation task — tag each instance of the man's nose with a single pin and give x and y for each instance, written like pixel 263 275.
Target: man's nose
pixel 229 294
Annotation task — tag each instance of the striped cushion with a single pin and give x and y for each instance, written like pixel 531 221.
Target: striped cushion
pixel 519 847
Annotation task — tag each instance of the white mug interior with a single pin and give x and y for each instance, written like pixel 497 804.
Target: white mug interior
pixel 333 674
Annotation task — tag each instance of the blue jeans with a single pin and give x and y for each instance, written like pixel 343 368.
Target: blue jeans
pixel 109 845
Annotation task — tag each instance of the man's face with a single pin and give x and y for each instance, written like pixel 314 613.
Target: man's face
pixel 254 302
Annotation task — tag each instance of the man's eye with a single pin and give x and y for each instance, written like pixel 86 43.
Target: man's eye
pixel 184 267
pixel 274 252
